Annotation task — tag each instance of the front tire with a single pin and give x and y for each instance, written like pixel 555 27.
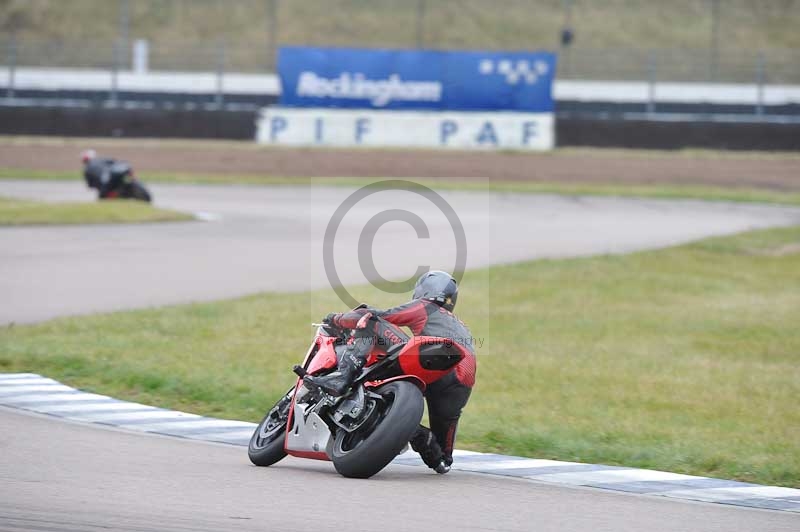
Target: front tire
pixel 139 192
pixel 266 443
pixel 366 451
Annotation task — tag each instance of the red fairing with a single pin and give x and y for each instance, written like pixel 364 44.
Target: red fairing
pixel 419 383
pixel 410 362
pixel 289 423
pixel 325 355
pixel 322 356
pixel 309 454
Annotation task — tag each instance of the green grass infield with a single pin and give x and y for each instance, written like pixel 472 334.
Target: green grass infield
pixel 24 212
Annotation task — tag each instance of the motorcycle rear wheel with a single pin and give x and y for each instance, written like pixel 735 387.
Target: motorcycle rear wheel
pixel 266 443
pixel 366 451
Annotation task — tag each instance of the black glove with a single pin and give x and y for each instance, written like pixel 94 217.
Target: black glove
pixel 332 319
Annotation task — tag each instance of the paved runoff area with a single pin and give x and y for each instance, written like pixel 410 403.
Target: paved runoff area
pixel 39 394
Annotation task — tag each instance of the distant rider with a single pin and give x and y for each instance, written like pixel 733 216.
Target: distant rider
pixel 428 314
pixel 106 175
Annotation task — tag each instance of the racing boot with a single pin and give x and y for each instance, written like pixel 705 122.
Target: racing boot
pixel 350 367
pixel 424 442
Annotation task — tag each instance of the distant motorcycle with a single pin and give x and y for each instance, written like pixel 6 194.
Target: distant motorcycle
pixel 114 179
pixel 367 427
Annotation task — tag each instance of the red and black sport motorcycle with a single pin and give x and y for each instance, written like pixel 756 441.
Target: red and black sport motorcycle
pixel 367 427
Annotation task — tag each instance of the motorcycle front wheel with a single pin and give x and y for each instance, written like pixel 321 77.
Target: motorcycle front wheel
pixel 396 416
pixel 266 443
pixel 133 189
pixel 139 192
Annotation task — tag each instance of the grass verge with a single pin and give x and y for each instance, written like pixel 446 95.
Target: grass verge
pixel 670 191
pixel 685 359
pixel 24 212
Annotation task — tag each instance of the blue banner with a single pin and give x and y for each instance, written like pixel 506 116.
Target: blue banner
pixel 404 79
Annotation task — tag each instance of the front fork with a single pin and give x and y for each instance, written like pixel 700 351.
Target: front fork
pixel 278 414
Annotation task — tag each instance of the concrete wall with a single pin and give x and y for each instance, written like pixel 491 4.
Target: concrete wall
pixel 241 125
pixel 148 123
pixel 670 135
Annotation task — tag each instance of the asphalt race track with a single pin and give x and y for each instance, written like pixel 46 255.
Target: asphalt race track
pixel 57 475
pixel 64 476
pixel 271 239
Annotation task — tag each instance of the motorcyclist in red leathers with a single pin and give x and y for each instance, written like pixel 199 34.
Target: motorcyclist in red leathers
pixel 428 314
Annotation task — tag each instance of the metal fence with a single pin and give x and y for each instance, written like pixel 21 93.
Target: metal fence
pixel 682 40
pixel 679 65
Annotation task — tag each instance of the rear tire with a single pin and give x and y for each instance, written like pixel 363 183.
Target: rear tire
pixel 266 443
pixel 365 452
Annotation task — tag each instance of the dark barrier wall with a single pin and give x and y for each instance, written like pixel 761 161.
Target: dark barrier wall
pixel 664 135
pixel 240 125
pixel 101 122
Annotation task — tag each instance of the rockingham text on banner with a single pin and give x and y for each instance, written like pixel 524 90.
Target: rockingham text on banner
pixel 417 79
